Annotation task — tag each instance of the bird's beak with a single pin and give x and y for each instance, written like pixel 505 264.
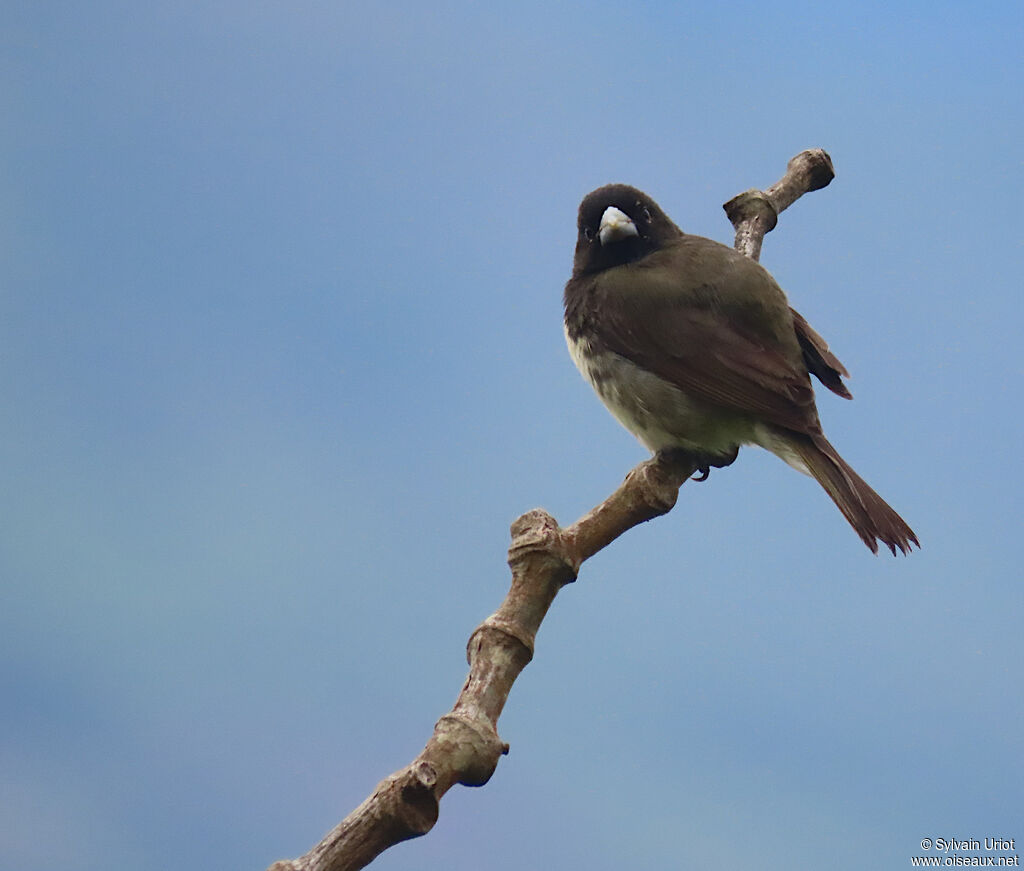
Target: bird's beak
pixel 615 226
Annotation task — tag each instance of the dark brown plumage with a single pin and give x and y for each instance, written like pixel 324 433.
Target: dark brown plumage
pixel 694 347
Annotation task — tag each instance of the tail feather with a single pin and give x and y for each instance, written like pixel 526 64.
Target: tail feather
pixel 867 512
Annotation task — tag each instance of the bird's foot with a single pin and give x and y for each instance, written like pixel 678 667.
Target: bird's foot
pixel 703 462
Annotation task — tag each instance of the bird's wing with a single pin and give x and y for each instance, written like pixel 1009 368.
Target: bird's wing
pixel 819 358
pixel 731 345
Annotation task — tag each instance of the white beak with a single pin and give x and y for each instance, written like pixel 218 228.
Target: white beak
pixel 615 225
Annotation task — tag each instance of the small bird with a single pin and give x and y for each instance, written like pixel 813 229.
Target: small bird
pixel 694 347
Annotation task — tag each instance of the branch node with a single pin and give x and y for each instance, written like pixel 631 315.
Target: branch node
pixel 537 534
pixel 752 206
pixel 507 628
pixel 419 806
pixel 658 480
pixel 476 747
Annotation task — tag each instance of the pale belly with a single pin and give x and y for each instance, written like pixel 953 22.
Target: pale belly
pixel 659 414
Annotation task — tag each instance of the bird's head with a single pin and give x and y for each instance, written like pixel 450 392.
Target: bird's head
pixel 619 224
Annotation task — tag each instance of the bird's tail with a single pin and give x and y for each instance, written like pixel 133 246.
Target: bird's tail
pixel 868 513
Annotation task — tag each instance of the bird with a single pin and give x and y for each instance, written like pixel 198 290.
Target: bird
pixel 695 348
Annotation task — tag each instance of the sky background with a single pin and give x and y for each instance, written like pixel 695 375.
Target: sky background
pixel 281 359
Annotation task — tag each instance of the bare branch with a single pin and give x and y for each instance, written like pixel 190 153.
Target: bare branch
pixel 465 747
pixel 754 213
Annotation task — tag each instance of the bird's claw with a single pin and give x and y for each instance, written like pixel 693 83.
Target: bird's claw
pixel 701 463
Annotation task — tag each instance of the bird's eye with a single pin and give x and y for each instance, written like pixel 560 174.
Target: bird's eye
pixel 588 234
pixel 647 215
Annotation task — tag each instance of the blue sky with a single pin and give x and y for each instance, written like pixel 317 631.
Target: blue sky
pixel 281 359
